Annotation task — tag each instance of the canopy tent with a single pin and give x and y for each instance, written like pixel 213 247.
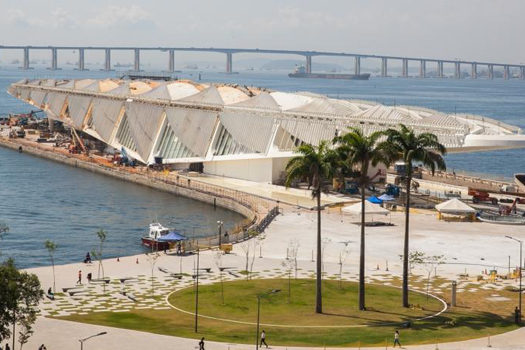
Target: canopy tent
pixel 455 206
pixel 173 236
pixel 386 197
pixel 372 209
pixel 457 209
pixel 375 200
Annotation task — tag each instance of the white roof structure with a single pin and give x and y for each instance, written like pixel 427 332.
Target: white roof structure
pixel 370 209
pixel 185 121
pixel 455 206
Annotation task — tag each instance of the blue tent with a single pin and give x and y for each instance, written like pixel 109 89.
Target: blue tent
pixel 375 200
pixel 173 236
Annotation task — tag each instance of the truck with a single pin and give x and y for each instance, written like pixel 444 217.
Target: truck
pixel 481 196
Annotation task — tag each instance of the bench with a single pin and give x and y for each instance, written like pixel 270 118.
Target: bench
pixel 74 292
pixel 225 268
pixel 122 280
pixel 233 274
pixel 100 280
pixel 176 275
pixel 65 290
pixel 207 269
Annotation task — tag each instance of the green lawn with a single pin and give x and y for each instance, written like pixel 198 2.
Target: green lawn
pixel 340 308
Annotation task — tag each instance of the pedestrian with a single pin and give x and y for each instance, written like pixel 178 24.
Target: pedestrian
pixel 79 277
pixel 263 339
pixel 396 339
pixel 201 344
pixel 7 346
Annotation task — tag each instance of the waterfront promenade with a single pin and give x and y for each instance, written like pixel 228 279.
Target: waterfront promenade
pixel 469 248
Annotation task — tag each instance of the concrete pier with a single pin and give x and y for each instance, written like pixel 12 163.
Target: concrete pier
pixel 229 62
pixel 404 71
pixel 136 65
pixel 422 68
pixel 440 69
pixel 522 73
pixel 308 64
pixel 26 59
pixel 384 67
pixel 54 59
pixel 171 61
pixel 506 72
pixel 357 65
pixel 491 71
pixel 107 63
pixel 81 64
pixel 474 72
pixel 457 70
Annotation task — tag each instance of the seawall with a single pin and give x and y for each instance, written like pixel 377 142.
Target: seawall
pixel 251 207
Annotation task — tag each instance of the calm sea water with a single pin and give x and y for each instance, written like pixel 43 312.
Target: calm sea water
pixel 43 200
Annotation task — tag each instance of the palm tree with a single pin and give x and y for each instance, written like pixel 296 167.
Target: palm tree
pixel 357 150
pixel 423 148
pixel 315 163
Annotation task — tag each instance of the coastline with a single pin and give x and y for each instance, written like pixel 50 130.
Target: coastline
pixel 253 208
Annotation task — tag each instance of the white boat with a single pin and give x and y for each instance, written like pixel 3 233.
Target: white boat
pixel 156 231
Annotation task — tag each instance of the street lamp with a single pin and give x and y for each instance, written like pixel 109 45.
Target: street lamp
pixel 518 319
pixel 219 227
pixel 93 336
pixel 259 296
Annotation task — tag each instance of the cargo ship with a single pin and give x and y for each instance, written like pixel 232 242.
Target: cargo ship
pixel 300 72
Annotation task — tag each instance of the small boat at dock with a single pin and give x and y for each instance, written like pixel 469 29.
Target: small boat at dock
pixel 160 237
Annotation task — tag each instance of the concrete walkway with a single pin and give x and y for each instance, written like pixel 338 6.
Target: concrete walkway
pixel 467 246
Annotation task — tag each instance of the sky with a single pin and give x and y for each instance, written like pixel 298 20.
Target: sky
pixel 490 30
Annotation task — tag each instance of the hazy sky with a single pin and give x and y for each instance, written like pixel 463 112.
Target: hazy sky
pixel 466 29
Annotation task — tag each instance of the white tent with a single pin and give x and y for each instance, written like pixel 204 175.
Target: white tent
pixel 455 206
pixel 370 208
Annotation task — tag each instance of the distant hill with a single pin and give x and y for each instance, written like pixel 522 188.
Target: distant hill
pixel 289 65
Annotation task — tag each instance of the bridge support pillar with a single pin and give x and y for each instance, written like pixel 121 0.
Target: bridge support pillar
pixel 404 71
pixel 457 70
pixel 308 64
pixel 440 69
pixel 136 65
pixel 357 65
pixel 384 67
pixel 107 63
pixel 422 69
pixel 506 72
pixel 522 73
pixel 474 72
pixel 229 62
pixel 25 65
pixel 171 61
pixel 54 59
pixel 491 71
pixel 81 64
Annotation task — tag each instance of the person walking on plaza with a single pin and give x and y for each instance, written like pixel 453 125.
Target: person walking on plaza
pixel 263 339
pixel 396 339
pixel 79 277
pixel 201 344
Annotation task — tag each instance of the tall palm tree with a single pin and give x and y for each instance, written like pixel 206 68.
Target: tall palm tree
pixel 357 150
pixel 422 148
pixel 314 163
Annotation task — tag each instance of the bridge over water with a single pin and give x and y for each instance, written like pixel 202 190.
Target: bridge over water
pixel 382 60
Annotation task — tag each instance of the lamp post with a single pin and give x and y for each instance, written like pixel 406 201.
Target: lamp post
pixel 259 296
pixel 197 294
pixel 519 294
pixel 219 227
pixel 93 336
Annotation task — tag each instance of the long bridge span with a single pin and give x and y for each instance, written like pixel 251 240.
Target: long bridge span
pixel 383 60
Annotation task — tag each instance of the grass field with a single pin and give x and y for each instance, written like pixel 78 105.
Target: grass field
pixel 383 316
